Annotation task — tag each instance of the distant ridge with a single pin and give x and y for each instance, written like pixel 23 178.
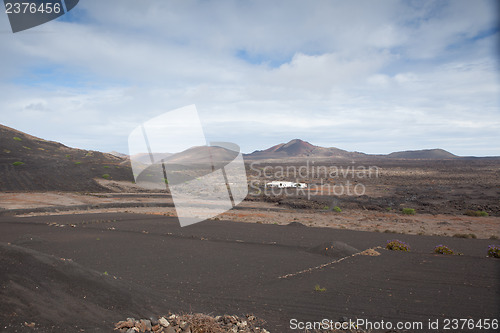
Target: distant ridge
pixel 295 149
pixel 299 149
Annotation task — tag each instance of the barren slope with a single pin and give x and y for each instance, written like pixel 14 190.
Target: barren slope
pixel 28 163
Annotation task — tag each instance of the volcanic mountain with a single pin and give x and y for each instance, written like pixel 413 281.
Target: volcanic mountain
pixel 28 163
pixel 298 149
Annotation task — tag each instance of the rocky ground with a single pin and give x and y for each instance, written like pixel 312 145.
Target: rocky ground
pixel 202 323
pixel 192 323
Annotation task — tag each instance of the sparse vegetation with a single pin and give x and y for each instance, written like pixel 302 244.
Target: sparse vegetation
pixel 493 237
pixel 408 211
pixel 106 176
pixel 319 289
pixel 464 236
pixel 78 163
pixel 17 138
pixel 494 251
pixel 337 209
pixel 68 156
pixel 475 213
pixel 397 245
pixel 26 147
pixel 17 163
pixel 107 167
pixel 443 249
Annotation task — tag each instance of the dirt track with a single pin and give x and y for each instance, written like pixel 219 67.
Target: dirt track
pixel 258 212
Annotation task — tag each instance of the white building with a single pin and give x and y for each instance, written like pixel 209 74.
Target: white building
pixel 283 184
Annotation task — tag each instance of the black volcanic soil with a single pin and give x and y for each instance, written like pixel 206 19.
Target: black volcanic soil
pixel 219 267
pixel 28 163
pixel 60 295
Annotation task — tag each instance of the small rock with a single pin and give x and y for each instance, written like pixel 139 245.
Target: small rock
pixel 124 324
pixel 170 329
pixel 145 325
pixel 185 326
pixel 163 322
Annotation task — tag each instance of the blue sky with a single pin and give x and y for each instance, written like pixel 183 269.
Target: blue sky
pixel 370 76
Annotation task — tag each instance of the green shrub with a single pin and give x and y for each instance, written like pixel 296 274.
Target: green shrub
pixel 17 163
pixel 17 138
pixel 68 155
pixel 319 289
pixel 77 163
pixel 397 245
pixel 107 167
pixel 443 249
pixel 337 209
pixel 326 208
pixel 106 176
pixel 26 147
pixel 494 251
pixel 475 213
pixel 408 211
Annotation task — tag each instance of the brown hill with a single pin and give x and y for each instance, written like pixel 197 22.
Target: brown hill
pixel 203 155
pixel 28 163
pixel 425 154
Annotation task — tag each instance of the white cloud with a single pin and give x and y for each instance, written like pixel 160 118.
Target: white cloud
pixel 361 75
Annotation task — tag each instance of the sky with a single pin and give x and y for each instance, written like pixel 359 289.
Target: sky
pixel 368 76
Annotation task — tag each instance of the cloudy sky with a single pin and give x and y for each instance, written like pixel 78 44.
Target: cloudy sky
pixel 370 76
